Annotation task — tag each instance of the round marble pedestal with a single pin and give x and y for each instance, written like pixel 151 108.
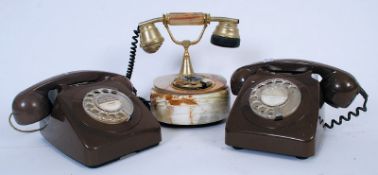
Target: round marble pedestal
pixel 189 107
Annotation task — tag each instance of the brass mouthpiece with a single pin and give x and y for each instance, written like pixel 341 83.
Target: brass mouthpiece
pixel 150 38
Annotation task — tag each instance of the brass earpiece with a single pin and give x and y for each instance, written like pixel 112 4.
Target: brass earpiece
pixel 226 34
pixel 150 38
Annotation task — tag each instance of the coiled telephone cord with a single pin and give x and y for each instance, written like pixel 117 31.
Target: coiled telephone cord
pixel 130 67
pixel 348 117
pixel 133 50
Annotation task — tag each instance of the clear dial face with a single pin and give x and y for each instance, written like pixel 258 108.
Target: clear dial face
pixel 275 98
pixel 108 106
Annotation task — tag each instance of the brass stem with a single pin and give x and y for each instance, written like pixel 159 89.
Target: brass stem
pixel 186 66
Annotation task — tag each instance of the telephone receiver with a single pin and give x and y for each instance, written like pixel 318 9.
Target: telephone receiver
pixel 339 88
pixel 33 104
pixel 226 33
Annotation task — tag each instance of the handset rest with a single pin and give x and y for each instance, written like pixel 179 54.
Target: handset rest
pixel 32 104
pixel 339 87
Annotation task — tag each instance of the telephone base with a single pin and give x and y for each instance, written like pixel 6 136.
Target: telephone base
pixel 183 107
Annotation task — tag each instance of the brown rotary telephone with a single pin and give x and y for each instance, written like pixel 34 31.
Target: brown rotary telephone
pixel 278 104
pixel 93 117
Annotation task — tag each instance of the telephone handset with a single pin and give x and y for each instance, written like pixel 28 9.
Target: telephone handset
pixel 339 88
pixel 33 104
pixel 278 103
pixel 226 34
pixel 93 117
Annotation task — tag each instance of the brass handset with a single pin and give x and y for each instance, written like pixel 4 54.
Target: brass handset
pixel 226 34
pixel 227 29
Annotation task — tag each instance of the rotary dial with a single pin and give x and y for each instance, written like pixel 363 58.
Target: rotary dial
pixel 108 106
pixel 275 98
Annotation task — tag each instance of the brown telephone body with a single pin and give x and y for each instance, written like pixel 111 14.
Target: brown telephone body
pixel 93 138
pixel 286 124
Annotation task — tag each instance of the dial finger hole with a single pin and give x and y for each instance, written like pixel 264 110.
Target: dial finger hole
pixel 256 105
pixel 278 81
pixel 254 98
pixel 261 109
pixel 103 114
pixel 270 112
pixel 120 114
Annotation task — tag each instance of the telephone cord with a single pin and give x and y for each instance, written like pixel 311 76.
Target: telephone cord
pixel 22 130
pixel 130 67
pixel 133 50
pixel 348 117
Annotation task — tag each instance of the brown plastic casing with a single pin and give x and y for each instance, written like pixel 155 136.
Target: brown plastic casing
pixel 293 135
pixel 94 143
pixel 71 130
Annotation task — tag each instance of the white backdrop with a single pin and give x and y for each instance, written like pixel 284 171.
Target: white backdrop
pixel 40 38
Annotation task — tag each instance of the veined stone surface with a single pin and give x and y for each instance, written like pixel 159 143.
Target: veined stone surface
pixel 190 107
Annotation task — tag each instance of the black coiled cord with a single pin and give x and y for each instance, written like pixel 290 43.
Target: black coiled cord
pixel 342 118
pixel 133 50
pixel 130 67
